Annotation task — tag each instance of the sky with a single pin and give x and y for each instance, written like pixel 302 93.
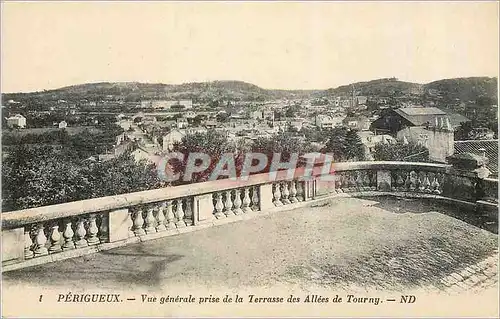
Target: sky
pixel 275 45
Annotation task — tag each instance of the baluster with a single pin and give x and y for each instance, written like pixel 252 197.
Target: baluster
pixel 219 206
pixel 80 233
pixel 373 180
pixel 180 214
pixel 237 202
pixel 189 212
pixel 412 181
pixel 394 181
pixel 170 215
pixel 366 180
pixel 277 195
pixel 55 239
pixel 139 222
pixel 407 185
pixel 427 184
pixel 285 194
pixel 68 234
pixel 160 217
pixel 255 198
pixel 300 191
pixel 293 192
pixel 228 204
pixel 40 241
pixel 246 201
pixel 345 182
pixel 436 187
pixel 150 220
pixel 420 181
pixel 92 232
pixel 104 227
pixel 352 181
pixel 359 181
pixel 130 223
pixel 28 253
pixel 338 183
pixel 400 182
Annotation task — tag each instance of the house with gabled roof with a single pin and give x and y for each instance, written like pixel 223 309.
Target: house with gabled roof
pixel 394 120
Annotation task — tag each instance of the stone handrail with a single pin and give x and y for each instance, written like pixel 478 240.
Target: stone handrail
pixel 39 214
pixel 31 234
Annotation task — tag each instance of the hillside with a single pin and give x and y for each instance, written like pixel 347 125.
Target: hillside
pixel 379 87
pixel 135 91
pixel 464 89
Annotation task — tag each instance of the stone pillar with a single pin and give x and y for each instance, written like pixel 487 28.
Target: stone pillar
pixel 463 181
pixel 12 245
pixel 203 209
pixel 266 197
pixel 310 188
pixel 119 224
pixel 384 181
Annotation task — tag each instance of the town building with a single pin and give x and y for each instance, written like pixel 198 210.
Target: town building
pixel 324 121
pixel 62 124
pixel 357 122
pixel 146 152
pixel 189 114
pixel 210 124
pixel 182 122
pixel 369 140
pixel 395 120
pixel 256 114
pixel 438 138
pixel 167 104
pixel 16 121
pixel 174 136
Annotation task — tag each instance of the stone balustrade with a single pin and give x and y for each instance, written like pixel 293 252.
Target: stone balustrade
pixel 71 229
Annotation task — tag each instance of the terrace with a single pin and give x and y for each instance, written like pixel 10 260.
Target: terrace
pixel 379 225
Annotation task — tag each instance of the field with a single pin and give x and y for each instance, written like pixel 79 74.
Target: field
pixel 71 130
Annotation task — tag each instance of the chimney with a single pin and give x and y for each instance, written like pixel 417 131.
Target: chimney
pixel 405 140
pixel 482 152
pixel 441 123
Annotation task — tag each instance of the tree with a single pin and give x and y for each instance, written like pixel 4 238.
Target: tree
pixel 177 107
pixel 462 132
pixel 39 176
pixel 222 117
pixel 400 151
pixel 212 143
pixel 291 111
pixel 345 145
pixel 281 143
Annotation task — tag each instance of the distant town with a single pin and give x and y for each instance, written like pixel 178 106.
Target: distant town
pixel 387 119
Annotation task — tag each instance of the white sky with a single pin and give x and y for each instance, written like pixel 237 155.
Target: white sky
pixel 273 45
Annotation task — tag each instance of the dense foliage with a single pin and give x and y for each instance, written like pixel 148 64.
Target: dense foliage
pixel 85 143
pixel 38 176
pixel 345 145
pixel 411 152
pixel 213 143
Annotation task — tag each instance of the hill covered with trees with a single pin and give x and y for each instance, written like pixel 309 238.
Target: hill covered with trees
pixel 446 91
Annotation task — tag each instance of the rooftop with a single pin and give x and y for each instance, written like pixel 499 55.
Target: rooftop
pixel 422 111
pixel 421 115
